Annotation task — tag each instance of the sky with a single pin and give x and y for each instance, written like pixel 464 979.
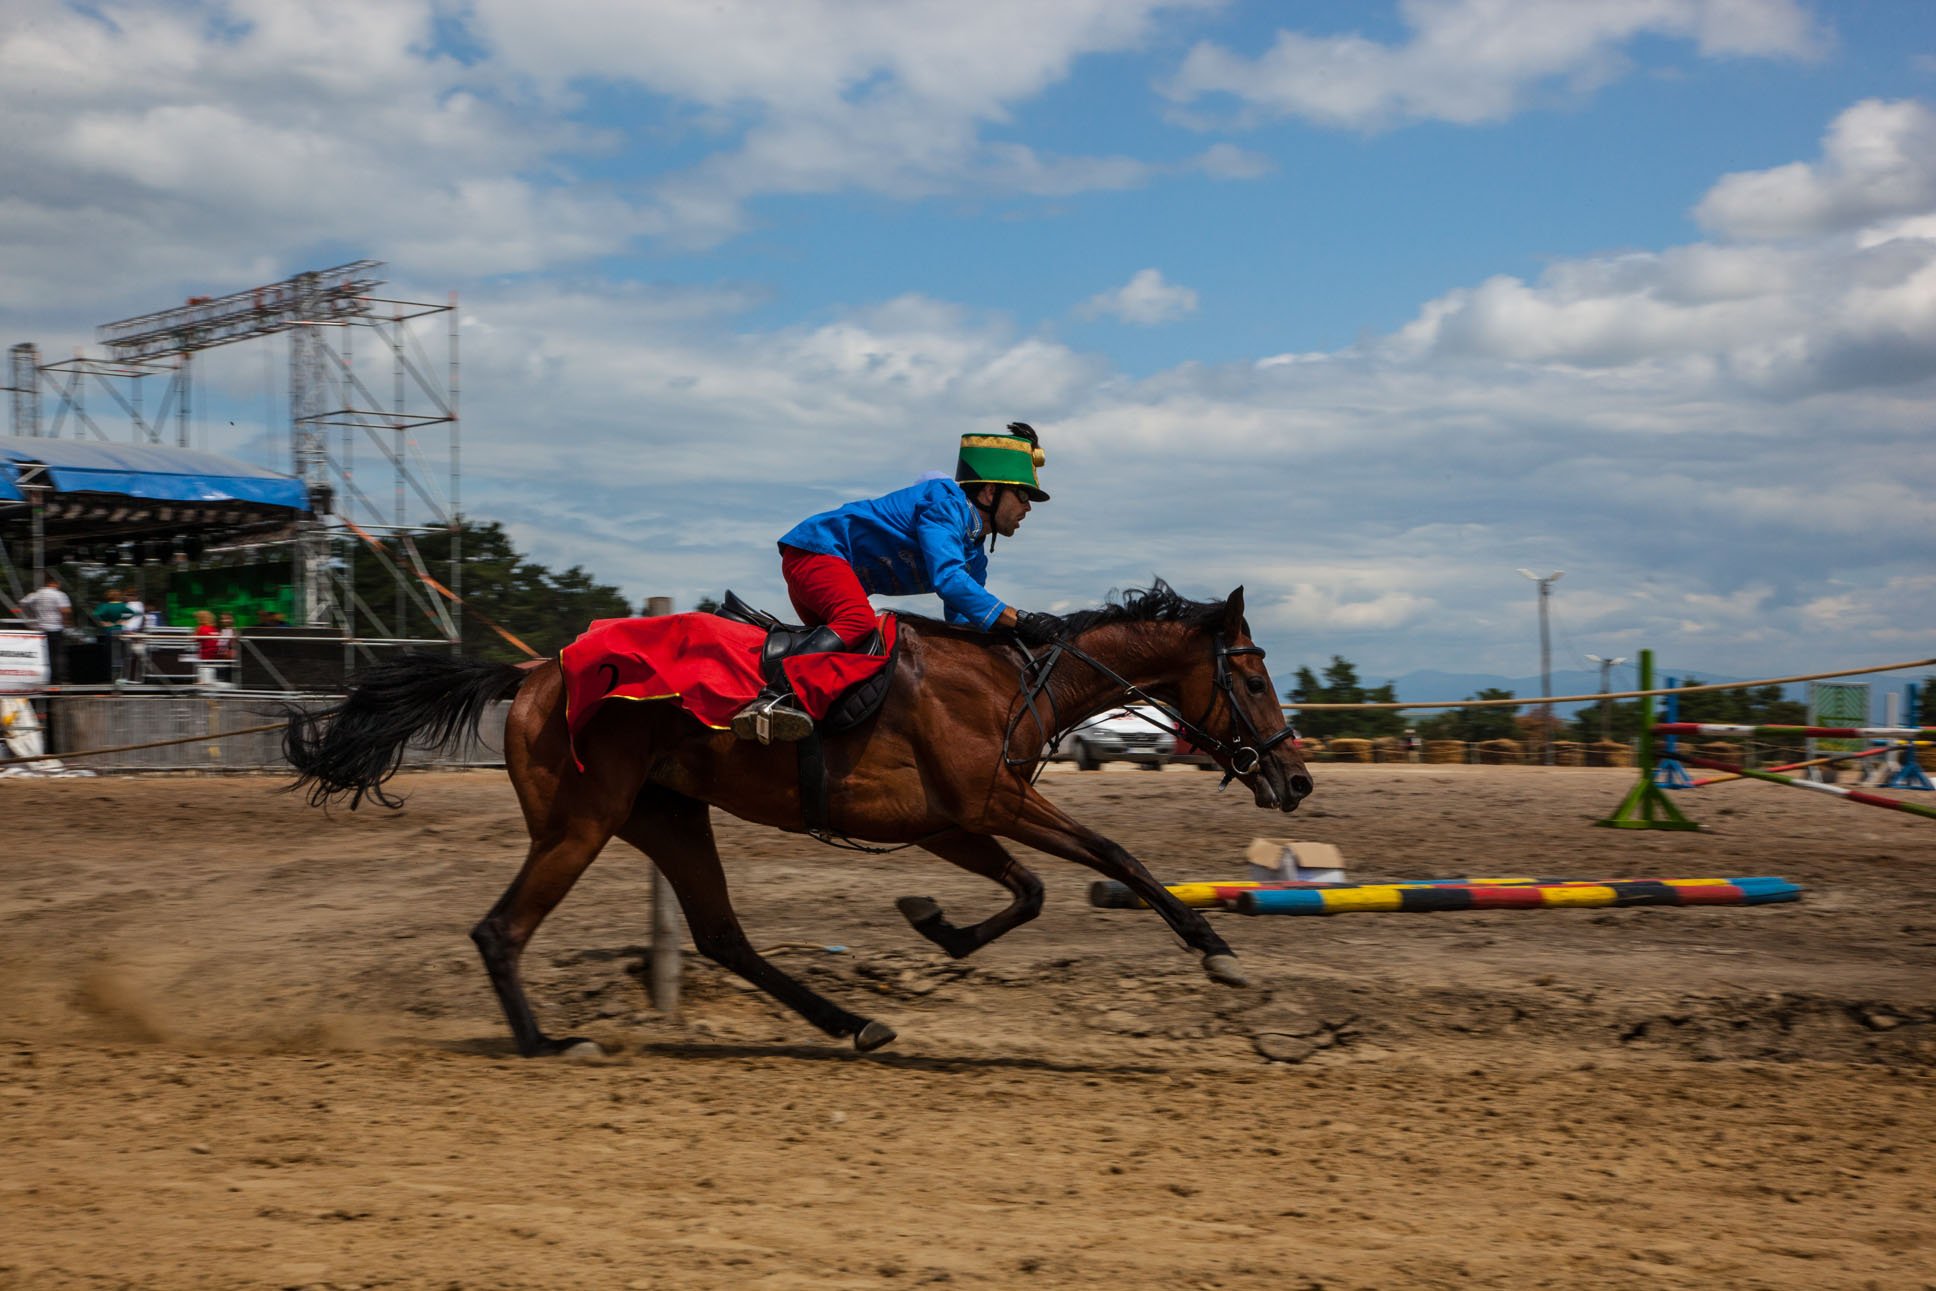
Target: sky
pixel 1363 307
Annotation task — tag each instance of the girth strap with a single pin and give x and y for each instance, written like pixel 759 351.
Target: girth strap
pixel 814 810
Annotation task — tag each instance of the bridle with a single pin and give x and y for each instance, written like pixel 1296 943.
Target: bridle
pixel 1243 757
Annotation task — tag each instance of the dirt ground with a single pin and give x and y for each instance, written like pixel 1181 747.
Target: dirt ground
pixel 247 1044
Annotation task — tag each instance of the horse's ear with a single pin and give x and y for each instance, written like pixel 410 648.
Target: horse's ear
pixel 1233 612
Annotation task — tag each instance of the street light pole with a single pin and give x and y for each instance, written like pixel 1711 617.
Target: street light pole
pixel 1545 662
pixel 1606 705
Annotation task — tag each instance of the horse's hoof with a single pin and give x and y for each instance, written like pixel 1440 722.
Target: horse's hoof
pixel 1223 968
pixel 572 1048
pixel 872 1036
pixel 918 910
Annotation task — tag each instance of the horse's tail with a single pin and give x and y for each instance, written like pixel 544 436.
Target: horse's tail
pixel 428 700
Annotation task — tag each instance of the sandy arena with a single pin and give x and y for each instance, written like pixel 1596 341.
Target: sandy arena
pixel 248 1044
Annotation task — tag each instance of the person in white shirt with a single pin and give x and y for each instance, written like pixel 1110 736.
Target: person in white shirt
pixel 134 664
pixel 52 614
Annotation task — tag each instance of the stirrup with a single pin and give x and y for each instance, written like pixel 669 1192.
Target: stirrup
pixel 772 720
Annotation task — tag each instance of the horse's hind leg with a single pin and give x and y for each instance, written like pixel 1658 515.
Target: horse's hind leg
pixel 550 868
pixel 978 854
pixel 677 833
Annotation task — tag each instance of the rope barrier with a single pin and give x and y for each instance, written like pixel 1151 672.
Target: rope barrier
pixel 152 744
pixel 1541 700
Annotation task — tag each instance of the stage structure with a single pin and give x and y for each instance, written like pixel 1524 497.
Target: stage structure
pixel 381 469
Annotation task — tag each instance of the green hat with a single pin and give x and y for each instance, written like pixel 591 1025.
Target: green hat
pixel 1008 458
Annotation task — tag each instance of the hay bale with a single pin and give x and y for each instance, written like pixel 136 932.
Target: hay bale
pixel 1608 753
pixel 1348 750
pixel 1721 751
pixel 1568 753
pixel 1388 748
pixel 1494 753
pixel 1445 752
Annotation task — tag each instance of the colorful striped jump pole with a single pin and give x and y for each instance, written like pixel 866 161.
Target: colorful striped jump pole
pixel 1813 732
pixel 1853 795
pixel 1800 766
pixel 1494 893
pixel 1429 898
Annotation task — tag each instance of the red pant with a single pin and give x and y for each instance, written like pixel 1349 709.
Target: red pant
pixel 826 590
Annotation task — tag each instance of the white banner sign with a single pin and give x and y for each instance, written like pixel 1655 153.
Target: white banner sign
pixel 23 661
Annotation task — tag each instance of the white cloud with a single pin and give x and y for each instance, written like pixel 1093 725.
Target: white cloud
pixel 1472 61
pixel 1307 607
pixel 1228 161
pixel 1878 163
pixel 160 136
pixel 1146 300
pixel 151 140
pixel 1776 320
pixel 835 95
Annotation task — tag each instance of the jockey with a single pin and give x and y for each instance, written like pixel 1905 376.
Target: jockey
pixel 928 537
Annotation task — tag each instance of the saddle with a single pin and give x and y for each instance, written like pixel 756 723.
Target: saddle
pixel 784 639
pixel 855 706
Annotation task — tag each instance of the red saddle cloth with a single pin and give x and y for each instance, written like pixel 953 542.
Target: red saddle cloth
pixel 709 665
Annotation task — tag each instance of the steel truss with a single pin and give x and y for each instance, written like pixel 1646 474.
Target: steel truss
pixel 381 465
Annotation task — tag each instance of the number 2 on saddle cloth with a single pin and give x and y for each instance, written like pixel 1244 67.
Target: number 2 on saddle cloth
pixel 708 665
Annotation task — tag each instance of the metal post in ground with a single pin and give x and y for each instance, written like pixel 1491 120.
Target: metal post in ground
pixel 665 968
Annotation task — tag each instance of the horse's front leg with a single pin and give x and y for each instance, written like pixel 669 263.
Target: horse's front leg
pixel 1040 824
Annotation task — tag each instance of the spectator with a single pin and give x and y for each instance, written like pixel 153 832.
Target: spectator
pixel 134 636
pixel 208 641
pixel 227 640
pixel 52 614
pixel 113 615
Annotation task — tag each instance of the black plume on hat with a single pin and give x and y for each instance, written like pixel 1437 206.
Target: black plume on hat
pixel 1025 431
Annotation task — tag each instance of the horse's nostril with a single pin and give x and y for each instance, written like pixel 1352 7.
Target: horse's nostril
pixel 1301 786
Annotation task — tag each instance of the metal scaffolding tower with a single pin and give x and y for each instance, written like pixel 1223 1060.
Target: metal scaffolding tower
pixel 373 509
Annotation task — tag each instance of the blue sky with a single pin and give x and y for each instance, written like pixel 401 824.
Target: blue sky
pixel 1360 306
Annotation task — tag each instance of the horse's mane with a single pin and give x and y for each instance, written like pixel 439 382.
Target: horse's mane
pixel 1157 603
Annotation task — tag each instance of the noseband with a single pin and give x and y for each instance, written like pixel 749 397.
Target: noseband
pixel 1243 757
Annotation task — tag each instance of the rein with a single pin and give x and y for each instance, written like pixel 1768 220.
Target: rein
pixel 1244 757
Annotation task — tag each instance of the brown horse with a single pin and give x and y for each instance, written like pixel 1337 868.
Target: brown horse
pixel 947 765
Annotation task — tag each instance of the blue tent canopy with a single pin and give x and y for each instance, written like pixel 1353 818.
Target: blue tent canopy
pixel 149 471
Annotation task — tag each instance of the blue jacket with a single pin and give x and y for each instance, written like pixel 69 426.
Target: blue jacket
pixel 924 538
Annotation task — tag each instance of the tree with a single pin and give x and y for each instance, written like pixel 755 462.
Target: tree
pixel 1475 724
pixel 546 610
pixel 1341 686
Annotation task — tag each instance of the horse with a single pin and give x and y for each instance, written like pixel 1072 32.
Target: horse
pixel 948 764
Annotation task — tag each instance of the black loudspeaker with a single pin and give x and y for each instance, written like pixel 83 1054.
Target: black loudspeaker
pixel 302 658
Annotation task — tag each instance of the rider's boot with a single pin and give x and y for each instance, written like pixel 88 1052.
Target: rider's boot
pixel 776 717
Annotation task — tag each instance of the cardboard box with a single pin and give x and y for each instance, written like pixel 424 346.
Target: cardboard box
pixel 1280 860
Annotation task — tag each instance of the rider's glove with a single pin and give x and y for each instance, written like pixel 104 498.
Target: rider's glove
pixel 1039 629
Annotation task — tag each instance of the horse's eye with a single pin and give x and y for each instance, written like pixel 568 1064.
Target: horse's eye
pixel 1256 685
